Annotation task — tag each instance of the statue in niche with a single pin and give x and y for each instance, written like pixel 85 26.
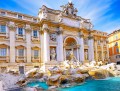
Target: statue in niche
pixel 73 61
pixel 86 55
pixel 53 37
pixel 52 54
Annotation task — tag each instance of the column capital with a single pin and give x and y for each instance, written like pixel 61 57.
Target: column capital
pixel 60 31
pixel 28 28
pixel 101 40
pixel 81 35
pixel 45 28
pixel 107 41
pixel 90 36
pixel 12 26
pixel 78 46
pixel 95 39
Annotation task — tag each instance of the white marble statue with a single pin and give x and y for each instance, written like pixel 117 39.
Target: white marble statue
pixel 72 56
pixel 86 55
pixel 53 54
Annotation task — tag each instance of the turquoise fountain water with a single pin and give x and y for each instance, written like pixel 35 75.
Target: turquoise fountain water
pixel 109 84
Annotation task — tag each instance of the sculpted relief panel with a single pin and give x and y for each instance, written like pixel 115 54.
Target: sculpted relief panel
pixel 53 37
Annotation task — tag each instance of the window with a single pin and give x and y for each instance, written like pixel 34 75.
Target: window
pixel 3 29
pixel 19 16
pixel 21 52
pixel 117 50
pixel 20 31
pixel 36 53
pixel 35 33
pixel 3 52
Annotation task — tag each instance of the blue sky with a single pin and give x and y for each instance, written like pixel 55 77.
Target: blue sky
pixel 104 14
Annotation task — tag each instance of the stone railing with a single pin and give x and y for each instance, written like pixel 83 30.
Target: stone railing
pixel 20 37
pixel 4 35
pixel 21 59
pixel 4 59
pixel 18 16
pixel 35 39
pixel 35 59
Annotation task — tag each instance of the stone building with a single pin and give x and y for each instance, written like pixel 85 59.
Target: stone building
pixel 48 39
pixel 114 46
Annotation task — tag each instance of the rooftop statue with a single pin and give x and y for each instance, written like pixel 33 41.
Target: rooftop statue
pixel 69 9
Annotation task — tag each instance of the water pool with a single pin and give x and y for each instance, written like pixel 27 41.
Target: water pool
pixel 109 84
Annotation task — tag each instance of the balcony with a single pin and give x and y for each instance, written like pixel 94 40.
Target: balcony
pixel 20 59
pixel 4 59
pixel 4 35
pixel 35 39
pixel 35 59
pixel 20 37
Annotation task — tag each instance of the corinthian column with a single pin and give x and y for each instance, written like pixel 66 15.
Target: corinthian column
pixel 60 45
pixel 45 41
pixel 12 29
pixel 28 42
pixel 107 51
pixel 90 48
pixel 81 49
pixel 102 51
pixel 96 51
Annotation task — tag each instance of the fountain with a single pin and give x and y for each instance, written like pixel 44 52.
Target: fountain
pixel 72 73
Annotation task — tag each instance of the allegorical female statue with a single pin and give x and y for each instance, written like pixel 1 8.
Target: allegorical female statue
pixel 52 54
pixel 86 55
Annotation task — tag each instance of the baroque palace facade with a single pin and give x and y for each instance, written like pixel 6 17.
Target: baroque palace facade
pixel 27 42
pixel 114 46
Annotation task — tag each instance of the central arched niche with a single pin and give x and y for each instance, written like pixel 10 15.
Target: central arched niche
pixel 70 45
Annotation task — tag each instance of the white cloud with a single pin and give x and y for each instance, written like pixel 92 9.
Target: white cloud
pixel 31 5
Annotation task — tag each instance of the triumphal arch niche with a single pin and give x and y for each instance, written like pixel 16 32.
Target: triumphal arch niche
pixel 71 45
pixel 64 32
